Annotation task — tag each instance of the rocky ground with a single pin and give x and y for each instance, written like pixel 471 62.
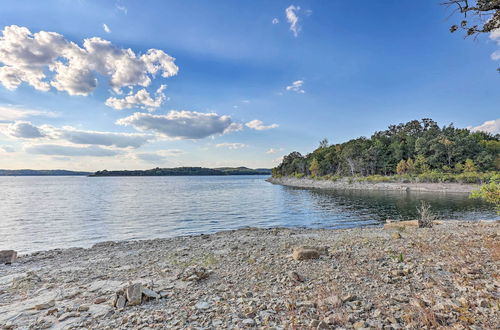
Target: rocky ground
pixel 398 186
pixel 396 277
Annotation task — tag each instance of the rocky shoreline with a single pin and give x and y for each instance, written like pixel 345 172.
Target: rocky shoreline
pixel 344 184
pixel 396 277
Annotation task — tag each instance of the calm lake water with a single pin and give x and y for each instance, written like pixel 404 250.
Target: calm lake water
pixel 40 213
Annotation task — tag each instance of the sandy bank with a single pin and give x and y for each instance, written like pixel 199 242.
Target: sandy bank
pixel 344 184
pixel 364 277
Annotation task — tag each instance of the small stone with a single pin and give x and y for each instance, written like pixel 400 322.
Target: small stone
pixel 304 254
pixel 294 276
pixel 359 325
pixel 313 324
pixel 46 305
pixel 7 256
pixel 120 302
pixel 100 300
pixel 484 303
pixel 68 315
pixel 83 308
pixel 248 322
pixel 396 235
pixel 134 294
pixel 323 325
pixel 150 293
pixel 202 305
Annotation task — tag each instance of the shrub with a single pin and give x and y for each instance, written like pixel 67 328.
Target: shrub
pixel 426 217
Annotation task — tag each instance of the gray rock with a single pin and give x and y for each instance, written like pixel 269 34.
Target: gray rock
pixel 68 315
pixel 150 293
pixel 120 302
pixel 7 256
pixel 134 294
pixel 202 305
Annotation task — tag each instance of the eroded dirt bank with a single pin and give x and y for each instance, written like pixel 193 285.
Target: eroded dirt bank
pixel 398 186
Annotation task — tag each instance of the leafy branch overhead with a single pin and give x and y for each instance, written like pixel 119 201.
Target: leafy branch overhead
pixel 481 16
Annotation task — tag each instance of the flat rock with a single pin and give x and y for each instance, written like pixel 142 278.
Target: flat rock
pixel 150 293
pixel 46 305
pixel 68 315
pixel 305 253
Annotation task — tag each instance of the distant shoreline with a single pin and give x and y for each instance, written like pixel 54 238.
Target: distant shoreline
pixel 344 184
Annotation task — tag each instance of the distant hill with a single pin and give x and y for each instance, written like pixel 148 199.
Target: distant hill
pixel 186 171
pixel 41 173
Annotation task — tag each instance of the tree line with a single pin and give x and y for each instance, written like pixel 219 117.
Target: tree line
pixel 412 148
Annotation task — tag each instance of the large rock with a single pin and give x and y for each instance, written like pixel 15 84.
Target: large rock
pixel 7 256
pixel 134 294
pixel 304 253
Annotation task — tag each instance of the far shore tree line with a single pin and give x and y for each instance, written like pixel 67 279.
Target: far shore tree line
pixel 416 150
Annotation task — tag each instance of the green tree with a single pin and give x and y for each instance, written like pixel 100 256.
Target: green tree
pixel 469 165
pixel 314 168
pixel 490 193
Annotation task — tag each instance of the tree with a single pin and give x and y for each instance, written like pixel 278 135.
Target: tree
pixel 480 16
pixel 490 193
pixel 401 168
pixel 469 166
pixel 314 168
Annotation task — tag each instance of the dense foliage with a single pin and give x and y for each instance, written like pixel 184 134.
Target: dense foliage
pixel 185 171
pixel 490 192
pixel 417 148
pixel 40 173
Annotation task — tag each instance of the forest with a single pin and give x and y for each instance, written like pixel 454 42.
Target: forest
pixel 185 171
pixel 414 150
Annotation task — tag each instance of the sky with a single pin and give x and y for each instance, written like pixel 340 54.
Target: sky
pixel 122 84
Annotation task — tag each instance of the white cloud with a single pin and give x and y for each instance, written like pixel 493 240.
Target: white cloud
pixel 106 28
pixel 231 146
pixel 15 113
pixel 296 87
pixel 24 130
pixel 259 125
pixel 28 57
pixel 275 21
pixel 119 140
pixel 142 99
pixel 122 9
pixel 274 151
pixel 64 150
pixel 495 36
pixel 293 19
pixel 181 124
pixel 160 156
pixel 7 149
pixel 490 126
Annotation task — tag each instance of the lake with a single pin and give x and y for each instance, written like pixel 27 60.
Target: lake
pixel 40 213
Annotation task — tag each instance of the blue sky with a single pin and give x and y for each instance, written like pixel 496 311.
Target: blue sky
pixel 230 97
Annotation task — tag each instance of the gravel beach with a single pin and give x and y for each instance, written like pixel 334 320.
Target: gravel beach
pixel 396 277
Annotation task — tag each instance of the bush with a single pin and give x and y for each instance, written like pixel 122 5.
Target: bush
pixel 490 193
pixel 426 217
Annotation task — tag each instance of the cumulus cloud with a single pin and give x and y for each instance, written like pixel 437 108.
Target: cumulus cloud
pixel 15 113
pixel 180 124
pixel 106 28
pixel 490 126
pixel 259 125
pixel 231 146
pixel 274 151
pixel 296 87
pixel 24 130
pixel 63 150
pixel 142 99
pixel 28 57
pixel 293 19
pixel 275 21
